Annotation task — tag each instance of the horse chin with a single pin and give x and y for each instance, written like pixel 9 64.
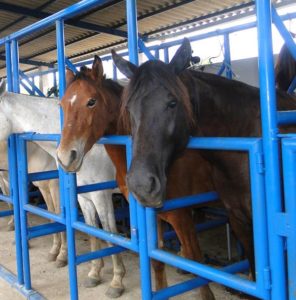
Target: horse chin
pixel 156 203
pixel 73 167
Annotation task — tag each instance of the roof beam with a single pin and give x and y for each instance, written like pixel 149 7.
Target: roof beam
pixel 30 62
pixel 24 17
pixel 38 14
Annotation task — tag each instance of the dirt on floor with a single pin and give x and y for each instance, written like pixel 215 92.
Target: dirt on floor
pixel 52 283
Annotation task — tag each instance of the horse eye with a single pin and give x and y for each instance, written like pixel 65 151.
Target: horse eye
pixel 172 104
pixel 91 103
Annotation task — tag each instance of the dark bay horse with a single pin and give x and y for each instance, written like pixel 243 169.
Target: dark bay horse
pixel 94 113
pixel 285 69
pixel 166 104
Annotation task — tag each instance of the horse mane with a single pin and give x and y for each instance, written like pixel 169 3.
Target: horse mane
pixel 285 69
pixel 149 74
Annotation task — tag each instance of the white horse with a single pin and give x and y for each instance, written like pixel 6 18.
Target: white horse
pixel 22 113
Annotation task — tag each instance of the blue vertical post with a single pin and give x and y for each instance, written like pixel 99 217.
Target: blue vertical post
pixel 289 160
pixel 131 12
pixel 24 199
pixel 114 72
pixel 132 28
pixel 227 56
pixel 13 187
pixel 166 55
pixel 67 181
pixel 270 147
pixel 8 65
pixel 15 66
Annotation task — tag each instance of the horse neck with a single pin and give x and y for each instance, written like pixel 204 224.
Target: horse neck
pixel 28 113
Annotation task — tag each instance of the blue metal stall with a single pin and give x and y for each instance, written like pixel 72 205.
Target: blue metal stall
pixel 273 273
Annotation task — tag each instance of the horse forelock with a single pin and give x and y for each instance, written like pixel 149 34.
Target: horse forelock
pixel 149 76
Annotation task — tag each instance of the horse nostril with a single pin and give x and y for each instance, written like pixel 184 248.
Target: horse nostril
pixel 154 184
pixel 73 155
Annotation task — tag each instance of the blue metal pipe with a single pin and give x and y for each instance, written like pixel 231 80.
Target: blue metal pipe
pixel 33 86
pixel 227 56
pixel 166 55
pixel 99 254
pixel 260 230
pixel 45 229
pixel 97 187
pixel 286 117
pixel 221 70
pixel 8 66
pixel 216 275
pixel 24 199
pixel 189 201
pixel 188 285
pixel 231 144
pixel 289 161
pixel 106 236
pixel 6 198
pixel 168 235
pixel 45 175
pixel 30 92
pixel 289 42
pixel 68 184
pixel 270 146
pixel 13 191
pixel 145 50
pixel 292 86
pixel 70 65
pixel 15 66
pixel 43 213
pixel 6 213
pixel 132 27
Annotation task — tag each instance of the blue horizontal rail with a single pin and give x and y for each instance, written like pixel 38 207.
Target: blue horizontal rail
pixel 6 213
pixel 44 175
pixel 188 285
pixel 99 254
pixel 286 117
pixel 5 198
pixel 189 201
pixel 45 229
pixel 209 273
pixel 106 236
pixel 97 187
pixel 168 235
pixel 43 213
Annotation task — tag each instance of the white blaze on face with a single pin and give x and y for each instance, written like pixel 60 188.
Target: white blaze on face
pixel 73 99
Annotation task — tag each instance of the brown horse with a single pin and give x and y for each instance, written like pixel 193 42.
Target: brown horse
pixel 95 112
pixel 166 104
pixel 285 69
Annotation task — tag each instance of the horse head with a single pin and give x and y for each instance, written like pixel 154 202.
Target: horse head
pixel 160 115
pixel 88 113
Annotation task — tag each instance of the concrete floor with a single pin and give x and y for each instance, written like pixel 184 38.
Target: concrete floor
pixel 52 283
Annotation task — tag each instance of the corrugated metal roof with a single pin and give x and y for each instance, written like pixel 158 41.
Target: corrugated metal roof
pixel 153 15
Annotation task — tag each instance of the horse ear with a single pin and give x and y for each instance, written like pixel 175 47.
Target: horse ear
pixel 97 68
pixel 69 76
pixel 124 66
pixel 181 59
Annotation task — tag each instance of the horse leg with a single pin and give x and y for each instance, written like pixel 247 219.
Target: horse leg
pixel 105 210
pixel 89 213
pixel 55 249
pixel 62 257
pixel 158 266
pixel 244 233
pixel 5 190
pixel 184 227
